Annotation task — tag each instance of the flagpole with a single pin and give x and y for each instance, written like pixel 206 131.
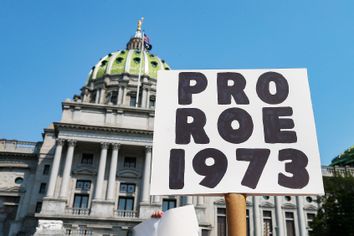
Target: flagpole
pixel 141 64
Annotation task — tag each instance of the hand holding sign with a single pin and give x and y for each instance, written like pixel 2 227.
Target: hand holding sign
pixel 175 222
pixel 246 131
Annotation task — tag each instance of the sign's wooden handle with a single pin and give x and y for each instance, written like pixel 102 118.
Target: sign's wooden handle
pixel 236 214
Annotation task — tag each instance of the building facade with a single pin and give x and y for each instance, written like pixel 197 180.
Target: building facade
pixel 92 170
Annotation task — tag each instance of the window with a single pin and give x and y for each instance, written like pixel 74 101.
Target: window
pixel 83 185
pixel 132 101
pixel 137 59
pixel 290 223
pixel 81 201
pixel 46 169
pixel 221 222
pixel 119 59
pixel 19 180
pixel 168 204
pixel 10 199
pixel 87 158
pixel 288 198
pixel 114 97
pixel 83 230
pixel 42 188
pixel 38 207
pixel 309 199
pixel 205 232
pixel 222 211
pixel 130 162
pixel 126 203
pixel 152 102
pixel 127 188
pixel 93 97
pixel 267 223
pixel 154 64
pixel 310 218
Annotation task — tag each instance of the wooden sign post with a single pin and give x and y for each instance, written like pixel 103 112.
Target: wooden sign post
pixel 236 214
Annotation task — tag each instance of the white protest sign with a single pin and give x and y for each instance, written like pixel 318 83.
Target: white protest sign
pixel 175 222
pixel 242 131
pixel 147 228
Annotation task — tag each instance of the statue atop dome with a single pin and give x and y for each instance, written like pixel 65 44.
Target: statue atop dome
pixel 140 23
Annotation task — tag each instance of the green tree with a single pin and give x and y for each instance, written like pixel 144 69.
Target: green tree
pixel 336 214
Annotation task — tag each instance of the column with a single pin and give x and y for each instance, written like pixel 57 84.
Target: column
pixel 120 95
pixel 124 95
pixel 301 216
pixel 256 217
pixel 102 96
pixel 146 180
pixel 67 169
pixel 3 215
pixel 55 168
pixel 279 216
pixel 200 200
pixel 112 172
pixel 148 99
pixel 143 97
pixel 101 171
pixel 97 96
pixel 189 200
pixel 157 199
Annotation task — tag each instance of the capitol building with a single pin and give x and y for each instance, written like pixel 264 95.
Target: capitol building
pixel 92 169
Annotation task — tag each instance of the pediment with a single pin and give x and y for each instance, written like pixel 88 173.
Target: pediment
pixel 220 201
pixel 267 205
pixel 289 206
pixel 84 170
pixel 310 207
pixel 13 189
pixel 129 174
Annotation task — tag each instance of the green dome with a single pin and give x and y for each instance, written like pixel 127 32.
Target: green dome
pixel 127 62
pixel 344 159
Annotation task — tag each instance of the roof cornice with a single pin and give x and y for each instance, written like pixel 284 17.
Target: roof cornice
pixel 19 154
pixel 61 125
pixel 96 106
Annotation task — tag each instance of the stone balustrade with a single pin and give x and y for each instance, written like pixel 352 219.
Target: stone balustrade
pixel 336 170
pixel 19 146
pixel 77 211
pixel 125 214
pixel 78 231
pixel 87 211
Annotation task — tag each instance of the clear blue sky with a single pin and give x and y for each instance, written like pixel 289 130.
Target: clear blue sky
pixel 48 47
